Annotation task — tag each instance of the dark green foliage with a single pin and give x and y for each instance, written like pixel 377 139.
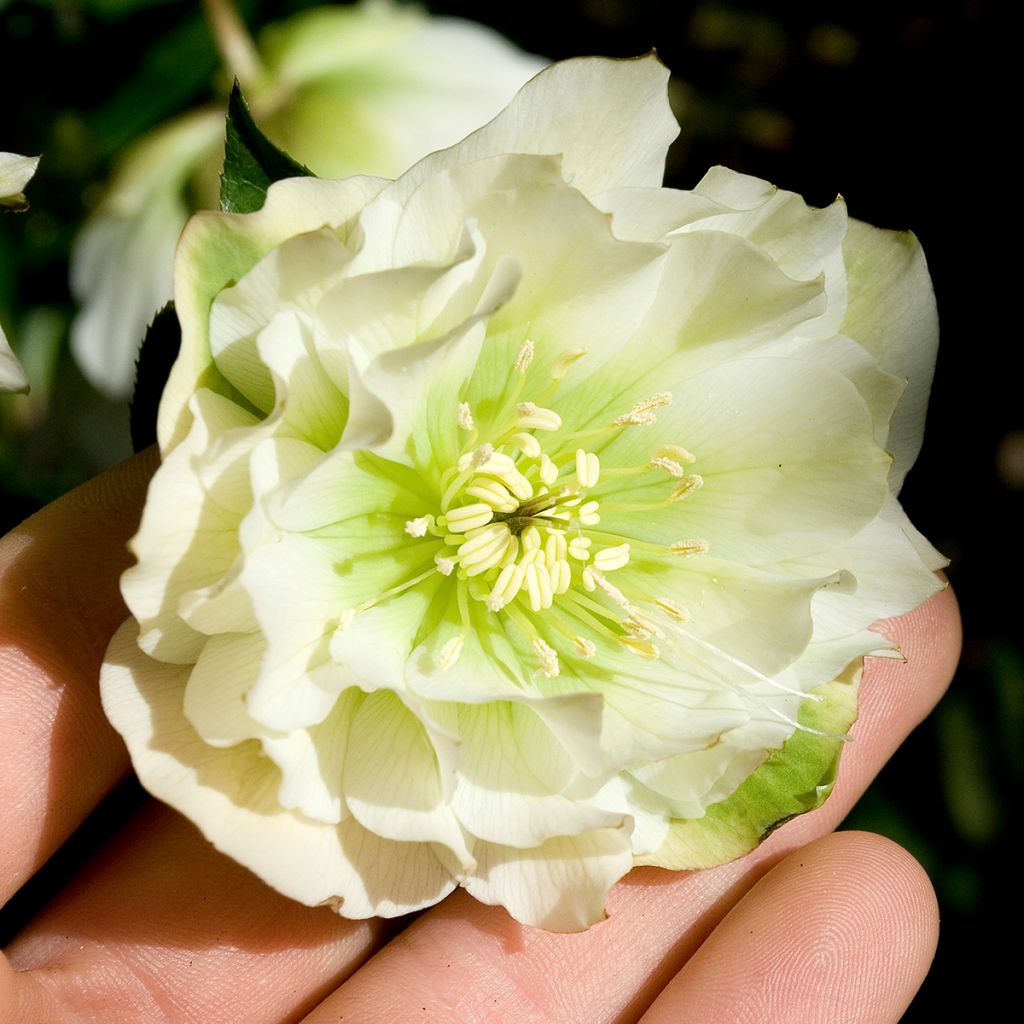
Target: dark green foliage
pixel 252 163
pixel 156 357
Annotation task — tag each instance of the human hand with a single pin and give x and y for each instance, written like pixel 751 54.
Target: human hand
pixel 809 928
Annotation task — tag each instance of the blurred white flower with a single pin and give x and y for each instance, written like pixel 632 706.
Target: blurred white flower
pixel 358 89
pixel 15 173
pixel 521 520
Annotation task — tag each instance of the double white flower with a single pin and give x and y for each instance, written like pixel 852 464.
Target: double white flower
pixel 521 520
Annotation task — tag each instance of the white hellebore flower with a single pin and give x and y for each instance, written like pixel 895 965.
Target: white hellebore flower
pixel 15 173
pixel 354 89
pixel 520 520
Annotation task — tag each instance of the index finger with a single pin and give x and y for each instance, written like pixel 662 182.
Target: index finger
pixel 59 604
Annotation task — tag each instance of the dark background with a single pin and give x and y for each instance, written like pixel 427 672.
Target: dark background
pixel 902 108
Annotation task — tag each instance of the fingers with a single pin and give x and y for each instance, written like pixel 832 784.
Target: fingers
pixel 59 603
pixel 845 929
pixel 163 928
pixel 466 962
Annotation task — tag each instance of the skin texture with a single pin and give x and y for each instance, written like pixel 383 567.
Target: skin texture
pixel 160 928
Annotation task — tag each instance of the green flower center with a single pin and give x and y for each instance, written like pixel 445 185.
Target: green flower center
pixel 519 516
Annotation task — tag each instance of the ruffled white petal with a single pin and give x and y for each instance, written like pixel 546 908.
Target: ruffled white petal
pixel 560 885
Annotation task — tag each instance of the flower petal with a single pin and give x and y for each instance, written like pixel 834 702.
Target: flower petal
pixel 892 314
pixel 609 120
pixel 792 780
pixel 560 885
pixel 232 795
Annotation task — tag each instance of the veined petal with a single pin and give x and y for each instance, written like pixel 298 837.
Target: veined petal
pixel 216 250
pixel 792 780
pixel 513 778
pixel 560 885
pixel 776 485
pixel 231 794
pixel 393 784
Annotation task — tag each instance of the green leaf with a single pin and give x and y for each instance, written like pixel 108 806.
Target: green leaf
pixel 156 357
pixel 252 163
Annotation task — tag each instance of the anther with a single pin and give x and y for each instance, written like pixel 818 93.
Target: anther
pixel 690 483
pixel 669 466
pixel 493 493
pixel 465 417
pixel 588 468
pixel 644 648
pixel 588 515
pixel 445 566
pixel 525 356
pixel 478 457
pixel 548 471
pixel 678 453
pixel 534 417
pixel 418 527
pixel 584 648
pixel 689 547
pixel 468 517
pixel 548 657
pixel 578 548
pixel 672 609
pixel 527 444
pixel 643 412
pixel 450 653
pixel 611 558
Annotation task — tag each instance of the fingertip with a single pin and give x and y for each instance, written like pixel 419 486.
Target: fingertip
pixel 842 929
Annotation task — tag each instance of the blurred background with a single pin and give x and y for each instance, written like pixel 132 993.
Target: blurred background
pixel 900 107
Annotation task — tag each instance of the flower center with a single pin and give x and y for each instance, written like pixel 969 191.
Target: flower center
pixel 519 517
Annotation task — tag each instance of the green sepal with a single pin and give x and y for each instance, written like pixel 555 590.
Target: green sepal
pixel 152 368
pixel 794 779
pixel 252 163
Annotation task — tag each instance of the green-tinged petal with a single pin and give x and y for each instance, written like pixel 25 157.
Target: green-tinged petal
pixel 216 250
pixel 744 624
pixel 293 277
pixel 792 780
pixel 232 795
pixel 786 454
pixel 892 314
pixel 560 885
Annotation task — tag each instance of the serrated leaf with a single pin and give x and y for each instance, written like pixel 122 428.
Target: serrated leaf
pixel 152 368
pixel 252 163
